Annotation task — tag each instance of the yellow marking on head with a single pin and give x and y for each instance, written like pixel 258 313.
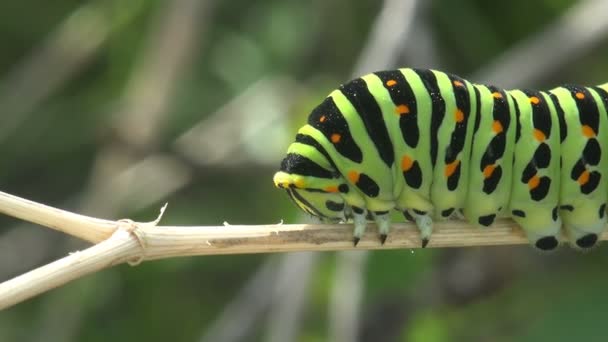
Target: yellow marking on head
pixel 588 131
pixel 335 138
pixel 458 116
pixel 451 168
pixel 322 118
pixel 332 188
pixel 579 95
pixel 534 100
pixel 280 180
pixel 283 184
pixel 391 83
pixel 539 135
pixel 497 95
pixel 406 163
pixel 583 178
pixel 353 176
pixel 458 83
pixel 533 182
pixel 402 109
pixel 488 171
pixel 497 127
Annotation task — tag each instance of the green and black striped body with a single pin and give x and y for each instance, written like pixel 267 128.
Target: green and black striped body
pixel 435 146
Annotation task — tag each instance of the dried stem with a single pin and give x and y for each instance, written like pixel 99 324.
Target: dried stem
pixel 80 226
pixel 145 241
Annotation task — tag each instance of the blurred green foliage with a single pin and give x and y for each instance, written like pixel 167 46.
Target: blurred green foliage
pixel 49 156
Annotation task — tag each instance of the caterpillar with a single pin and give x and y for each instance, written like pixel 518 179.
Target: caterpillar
pixel 435 146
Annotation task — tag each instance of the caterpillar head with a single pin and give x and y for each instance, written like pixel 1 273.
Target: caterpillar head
pixel 317 197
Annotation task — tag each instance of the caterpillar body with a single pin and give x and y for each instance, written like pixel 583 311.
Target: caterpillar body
pixel 435 146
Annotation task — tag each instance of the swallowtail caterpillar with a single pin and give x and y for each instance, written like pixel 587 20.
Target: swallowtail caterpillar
pixel 435 146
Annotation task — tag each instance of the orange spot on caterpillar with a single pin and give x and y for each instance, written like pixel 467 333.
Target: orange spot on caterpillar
pixel 322 118
pixel 332 188
pixel 391 83
pixel 459 116
pixel 488 171
pixel 583 178
pixel 588 131
pixel 497 95
pixel 580 95
pixel 406 163
pixel 458 83
pixel 335 138
pixel 451 168
pixel 533 182
pixel 402 109
pixel 353 176
pixel 497 127
pixel 539 135
pixel 534 100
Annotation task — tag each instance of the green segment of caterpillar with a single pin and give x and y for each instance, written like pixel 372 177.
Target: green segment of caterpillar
pixel 435 146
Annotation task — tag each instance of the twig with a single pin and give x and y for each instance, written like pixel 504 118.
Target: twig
pixel 80 226
pixel 119 248
pixel 146 241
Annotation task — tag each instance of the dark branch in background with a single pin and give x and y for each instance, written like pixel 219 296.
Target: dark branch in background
pixel 246 307
pixel 63 54
pixel 293 284
pixel 389 37
pixel 143 109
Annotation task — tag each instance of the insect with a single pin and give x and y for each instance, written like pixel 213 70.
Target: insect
pixel 435 146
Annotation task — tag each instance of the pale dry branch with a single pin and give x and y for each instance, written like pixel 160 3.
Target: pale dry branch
pixel 118 249
pixel 80 226
pixel 146 241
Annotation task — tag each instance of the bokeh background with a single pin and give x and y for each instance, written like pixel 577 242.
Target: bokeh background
pixel 112 108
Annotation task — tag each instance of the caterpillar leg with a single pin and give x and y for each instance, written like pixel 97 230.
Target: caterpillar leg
pixel 584 237
pixel 544 238
pixel 383 221
pixel 584 225
pixel 360 221
pixel 424 222
pixel 458 215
